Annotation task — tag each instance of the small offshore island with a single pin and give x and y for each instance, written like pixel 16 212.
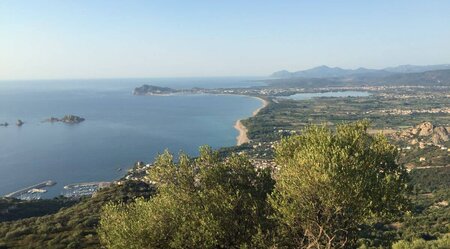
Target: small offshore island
pixel 18 123
pixel 68 119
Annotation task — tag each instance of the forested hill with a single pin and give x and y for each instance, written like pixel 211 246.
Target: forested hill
pixel 428 78
pixel 436 77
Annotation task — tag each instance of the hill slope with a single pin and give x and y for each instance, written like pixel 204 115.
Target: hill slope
pixel 428 78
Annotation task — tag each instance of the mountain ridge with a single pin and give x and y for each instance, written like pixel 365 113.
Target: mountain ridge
pixel 427 78
pixel 324 71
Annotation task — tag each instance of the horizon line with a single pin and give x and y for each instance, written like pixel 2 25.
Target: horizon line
pixel 132 77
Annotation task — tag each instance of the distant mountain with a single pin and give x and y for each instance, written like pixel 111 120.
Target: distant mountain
pixel 428 78
pixel 416 69
pixel 333 72
pixel 324 72
pixel 282 74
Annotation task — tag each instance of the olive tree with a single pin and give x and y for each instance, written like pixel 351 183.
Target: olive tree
pixel 205 202
pixel 330 182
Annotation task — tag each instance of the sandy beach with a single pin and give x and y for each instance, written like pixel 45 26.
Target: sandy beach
pixel 242 137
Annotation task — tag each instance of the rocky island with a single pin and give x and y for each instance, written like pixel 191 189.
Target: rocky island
pixel 4 124
pixel 153 90
pixel 19 122
pixel 68 119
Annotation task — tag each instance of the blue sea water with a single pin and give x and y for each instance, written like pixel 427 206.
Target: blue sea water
pixel 119 130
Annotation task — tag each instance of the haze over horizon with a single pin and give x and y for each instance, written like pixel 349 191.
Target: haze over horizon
pixel 115 39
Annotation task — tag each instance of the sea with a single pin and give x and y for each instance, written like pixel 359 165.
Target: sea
pixel 119 129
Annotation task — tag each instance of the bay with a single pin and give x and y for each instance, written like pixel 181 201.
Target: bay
pixel 119 130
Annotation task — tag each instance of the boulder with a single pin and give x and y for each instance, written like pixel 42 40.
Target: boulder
pixel 425 129
pixel 422 145
pixel 442 132
pixel 435 139
pixel 405 134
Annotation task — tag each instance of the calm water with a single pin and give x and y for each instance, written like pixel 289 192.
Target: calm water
pixel 303 96
pixel 119 129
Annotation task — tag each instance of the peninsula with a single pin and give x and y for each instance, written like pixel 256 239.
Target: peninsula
pixel 153 90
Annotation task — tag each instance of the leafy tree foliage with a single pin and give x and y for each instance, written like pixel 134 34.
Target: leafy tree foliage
pixel 201 203
pixel 329 183
pixel 442 243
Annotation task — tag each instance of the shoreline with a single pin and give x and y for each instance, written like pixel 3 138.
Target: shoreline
pixel 242 138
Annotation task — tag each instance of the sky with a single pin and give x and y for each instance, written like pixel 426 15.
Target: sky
pixel 62 39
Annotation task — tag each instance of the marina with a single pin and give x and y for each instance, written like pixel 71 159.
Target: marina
pixel 83 189
pixel 32 192
pixel 75 190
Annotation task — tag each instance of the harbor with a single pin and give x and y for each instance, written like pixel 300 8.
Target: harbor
pixel 35 192
pixel 32 192
pixel 83 189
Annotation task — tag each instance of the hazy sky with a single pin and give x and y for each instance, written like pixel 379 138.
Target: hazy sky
pixel 106 39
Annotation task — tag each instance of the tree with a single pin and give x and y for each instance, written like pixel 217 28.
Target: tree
pixel 201 203
pixel 442 243
pixel 329 183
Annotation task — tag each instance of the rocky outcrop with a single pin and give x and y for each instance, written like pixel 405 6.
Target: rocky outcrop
pixel 4 124
pixel 424 133
pixel 440 134
pixel 425 129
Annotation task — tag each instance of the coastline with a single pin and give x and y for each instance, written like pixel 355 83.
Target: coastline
pixel 242 138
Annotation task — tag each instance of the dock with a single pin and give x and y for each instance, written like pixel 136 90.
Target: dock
pixel 26 190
